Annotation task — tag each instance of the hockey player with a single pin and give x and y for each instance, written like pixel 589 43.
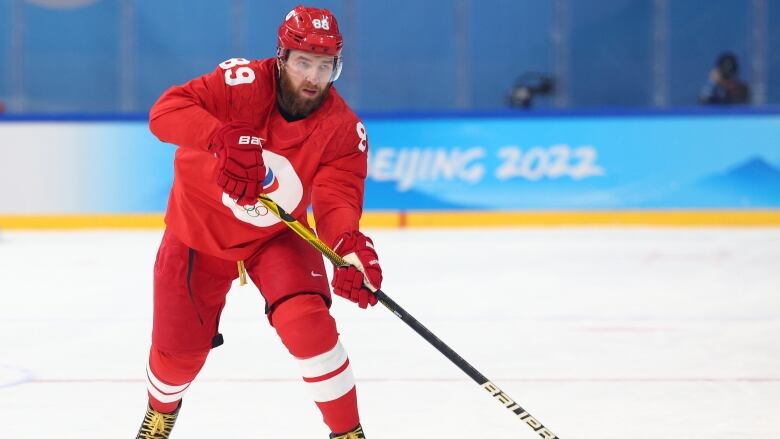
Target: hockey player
pixel 274 126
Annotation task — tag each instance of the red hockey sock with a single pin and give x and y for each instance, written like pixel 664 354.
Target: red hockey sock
pixel 168 376
pixel 309 333
pixel 341 414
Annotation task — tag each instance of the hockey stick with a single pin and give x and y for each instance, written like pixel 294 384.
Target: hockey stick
pixel 418 327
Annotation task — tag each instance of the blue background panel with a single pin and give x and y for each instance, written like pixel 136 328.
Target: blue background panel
pixel 508 38
pixel 611 53
pixel 119 56
pixel 70 58
pixel 415 71
pixel 699 32
pixel 773 86
pixel 177 42
pixel 5 51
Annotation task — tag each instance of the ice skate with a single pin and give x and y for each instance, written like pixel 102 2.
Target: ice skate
pixel 356 433
pixel 158 425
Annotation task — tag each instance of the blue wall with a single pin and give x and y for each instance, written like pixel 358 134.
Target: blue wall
pixel 5 50
pixel 699 31
pixel 773 93
pixel 71 57
pixel 118 56
pixel 507 38
pixel 172 53
pixel 611 58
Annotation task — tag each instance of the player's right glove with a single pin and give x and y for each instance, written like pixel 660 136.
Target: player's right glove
pixel 348 282
pixel 241 170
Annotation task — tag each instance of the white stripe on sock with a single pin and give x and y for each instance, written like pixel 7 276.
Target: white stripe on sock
pixel 332 388
pixel 161 391
pixel 323 364
pixel 164 397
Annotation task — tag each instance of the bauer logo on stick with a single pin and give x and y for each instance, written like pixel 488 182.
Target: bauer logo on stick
pixel 503 398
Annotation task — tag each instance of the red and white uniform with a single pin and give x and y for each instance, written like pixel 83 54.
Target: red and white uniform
pixel 318 160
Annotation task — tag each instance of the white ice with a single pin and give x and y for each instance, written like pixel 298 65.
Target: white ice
pixel 599 333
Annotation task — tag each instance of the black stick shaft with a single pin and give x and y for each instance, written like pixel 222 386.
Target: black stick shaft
pixel 464 365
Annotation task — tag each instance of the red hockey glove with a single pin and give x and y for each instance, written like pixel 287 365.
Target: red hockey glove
pixel 241 170
pixel 358 250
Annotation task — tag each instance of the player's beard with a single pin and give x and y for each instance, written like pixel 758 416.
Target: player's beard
pixel 292 100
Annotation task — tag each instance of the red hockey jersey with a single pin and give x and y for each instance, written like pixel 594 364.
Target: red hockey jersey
pixel 319 160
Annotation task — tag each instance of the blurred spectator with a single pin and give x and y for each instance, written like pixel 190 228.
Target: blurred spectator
pixel 2 107
pixel 527 86
pixel 724 86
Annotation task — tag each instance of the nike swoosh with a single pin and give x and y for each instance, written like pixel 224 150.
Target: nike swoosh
pixel 313 274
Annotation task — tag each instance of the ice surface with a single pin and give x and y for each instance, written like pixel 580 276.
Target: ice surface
pixel 600 333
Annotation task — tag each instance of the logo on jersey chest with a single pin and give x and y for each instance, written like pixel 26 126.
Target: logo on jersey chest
pixel 271 183
pixel 281 183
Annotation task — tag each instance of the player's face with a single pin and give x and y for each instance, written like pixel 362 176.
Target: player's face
pixel 309 67
pixel 305 81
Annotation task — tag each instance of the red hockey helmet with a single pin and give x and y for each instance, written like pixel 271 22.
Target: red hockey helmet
pixel 311 30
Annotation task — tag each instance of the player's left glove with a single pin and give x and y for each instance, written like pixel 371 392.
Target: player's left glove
pixel 357 249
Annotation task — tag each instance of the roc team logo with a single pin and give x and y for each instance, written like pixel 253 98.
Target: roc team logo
pixel 271 183
pixel 281 183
